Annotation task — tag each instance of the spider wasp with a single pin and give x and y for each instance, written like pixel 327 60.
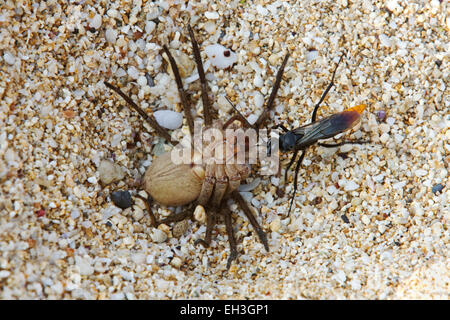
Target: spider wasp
pixel 299 139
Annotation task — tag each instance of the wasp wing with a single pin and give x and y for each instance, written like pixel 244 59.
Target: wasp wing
pixel 325 128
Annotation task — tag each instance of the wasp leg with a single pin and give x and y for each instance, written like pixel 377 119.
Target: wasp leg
pixel 324 94
pixel 294 156
pixel 149 119
pixel 181 92
pixel 333 145
pixel 233 246
pixel 280 126
pixel 297 168
pixel 249 214
pixel 207 109
pixel 259 122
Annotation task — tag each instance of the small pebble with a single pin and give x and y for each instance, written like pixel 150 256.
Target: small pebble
pixel 350 186
pixel 150 81
pixel 9 58
pixel 220 56
pixel 275 225
pixel 92 180
pixel 96 22
pixel 437 188
pixel 210 27
pixel 121 199
pixel 311 55
pixel 158 236
pixel 169 119
pixel 345 219
pixel 40 213
pixel 390 121
pixel 365 219
pixel 421 172
pixel 111 35
pixel 138 213
pixel 142 81
pixel 381 115
pixel 176 262
pixel 179 228
pixel 75 213
pixel 85 265
pixel 211 15
pixel 258 81
pixel 113 13
pixel 261 10
pixel 258 99
pixel 384 138
pixel 385 40
pixel 110 172
pixel 252 118
pixel 200 214
pixel 165 228
pixel 150 26
pixel 133 72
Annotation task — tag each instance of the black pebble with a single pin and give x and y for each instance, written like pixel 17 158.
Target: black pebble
pixel 344 217
pixel 437 188
pixel 121 199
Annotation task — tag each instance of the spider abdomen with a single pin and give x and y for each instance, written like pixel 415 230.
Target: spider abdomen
pixel 173 184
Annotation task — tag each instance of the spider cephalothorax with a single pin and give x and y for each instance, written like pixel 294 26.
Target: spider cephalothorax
pixel 207 176
pixel 212 180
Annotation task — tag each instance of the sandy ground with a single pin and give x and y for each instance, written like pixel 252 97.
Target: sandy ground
pixel 369 221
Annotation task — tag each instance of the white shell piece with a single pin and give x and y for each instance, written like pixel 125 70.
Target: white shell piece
pixel 220 56
pixel 168 119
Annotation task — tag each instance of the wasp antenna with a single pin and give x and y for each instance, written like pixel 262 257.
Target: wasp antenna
pixel 324 94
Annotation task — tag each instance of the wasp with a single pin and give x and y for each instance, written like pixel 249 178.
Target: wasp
pixel 301 138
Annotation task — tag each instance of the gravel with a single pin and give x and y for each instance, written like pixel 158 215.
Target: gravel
pixel 169 119
pixel 110 172
pixel 122 199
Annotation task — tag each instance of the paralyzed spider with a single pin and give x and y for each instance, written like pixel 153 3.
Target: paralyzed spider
pixel 208 183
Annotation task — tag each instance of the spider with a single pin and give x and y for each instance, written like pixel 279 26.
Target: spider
pixel 211 183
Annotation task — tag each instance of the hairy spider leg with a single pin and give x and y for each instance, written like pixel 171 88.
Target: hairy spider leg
pixel 174 217
pixel 250 216
pixel 231 239
pixel 181 92
pixel 149 119
pixel 264 115
pixel 208 112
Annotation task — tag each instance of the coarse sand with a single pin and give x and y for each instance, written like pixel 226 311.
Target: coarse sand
pixel 369 221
